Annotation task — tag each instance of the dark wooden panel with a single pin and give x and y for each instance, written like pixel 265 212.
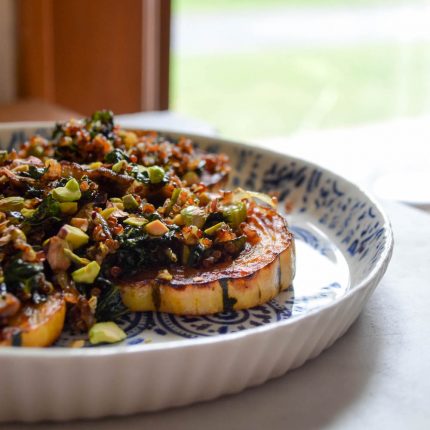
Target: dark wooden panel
pixel 35 49
pixel 98 54
pixel 92 54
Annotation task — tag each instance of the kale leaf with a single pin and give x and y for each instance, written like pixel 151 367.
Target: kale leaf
pixel 109 304
pixel 47 215
pixel 196 255
pixel 142 175
pixel 138 250
pixel 36 172
pixel 25 279
pixel 101 122
pixel 58 131
pixel 139 175
pixel 32 192
pixel 115 156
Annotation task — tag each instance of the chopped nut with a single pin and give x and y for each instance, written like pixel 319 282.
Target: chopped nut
pixel 69 193
pixel 81 223
pixel 11 204
pixel 68 208
pixel 86 274
pixel 56 255
pixel 79 343
pixel 74 236
pixel 156 228
pixel 130 202
pixel 92 303
pixel 165 275
pixel 106 332
pixel 136 221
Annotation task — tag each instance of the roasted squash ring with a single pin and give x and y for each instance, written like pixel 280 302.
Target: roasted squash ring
pixel 36 325
pixel 257 275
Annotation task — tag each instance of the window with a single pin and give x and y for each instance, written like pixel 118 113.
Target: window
pixel 257 69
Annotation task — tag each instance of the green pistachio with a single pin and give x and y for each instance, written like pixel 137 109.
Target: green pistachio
pixel 69 193
pixel 106 332
pixel 74 236
pixel 212 230
pixel 130 203
pixel 136 221
pixel 106 213
pixel 81 261
pixel 11 204
pixel 156 174
pixel 95 165
pixel 178 219
pixel 173 200
pixel 27 213
pixel 194 215
pixel 235 214
pixel 86 274
pixel 175 195
pixel 68 208
pixel 37 151
pixel 119 166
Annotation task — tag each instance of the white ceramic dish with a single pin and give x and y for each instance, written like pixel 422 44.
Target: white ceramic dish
pixel 344 244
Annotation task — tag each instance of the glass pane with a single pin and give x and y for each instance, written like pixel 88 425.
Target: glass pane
pixel 269 68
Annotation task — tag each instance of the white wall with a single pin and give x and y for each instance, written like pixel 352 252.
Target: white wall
pixel 7 51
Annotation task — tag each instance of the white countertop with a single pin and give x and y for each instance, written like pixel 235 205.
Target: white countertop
pixel 376 376
pixel 390 159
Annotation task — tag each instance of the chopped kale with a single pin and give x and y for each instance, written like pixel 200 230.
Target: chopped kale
pixel 105 117
pixel 32 192
pixel 115 156
pixel 201 167
pixel 109 303
pixel 101 122
pixel 67 152
pixel 36 172
pixel 213 218
pixel 24 279
pixel 196 255
pixel 143 175
pixel 58 131
pixel 48 214
pixel 138 250
pixel 64 151
pixel 139 175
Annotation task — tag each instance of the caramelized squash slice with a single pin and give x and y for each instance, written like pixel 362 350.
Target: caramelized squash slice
pixel 36 325
pixel 257 275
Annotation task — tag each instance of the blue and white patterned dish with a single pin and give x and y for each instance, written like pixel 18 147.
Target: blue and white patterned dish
pixel 344 244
